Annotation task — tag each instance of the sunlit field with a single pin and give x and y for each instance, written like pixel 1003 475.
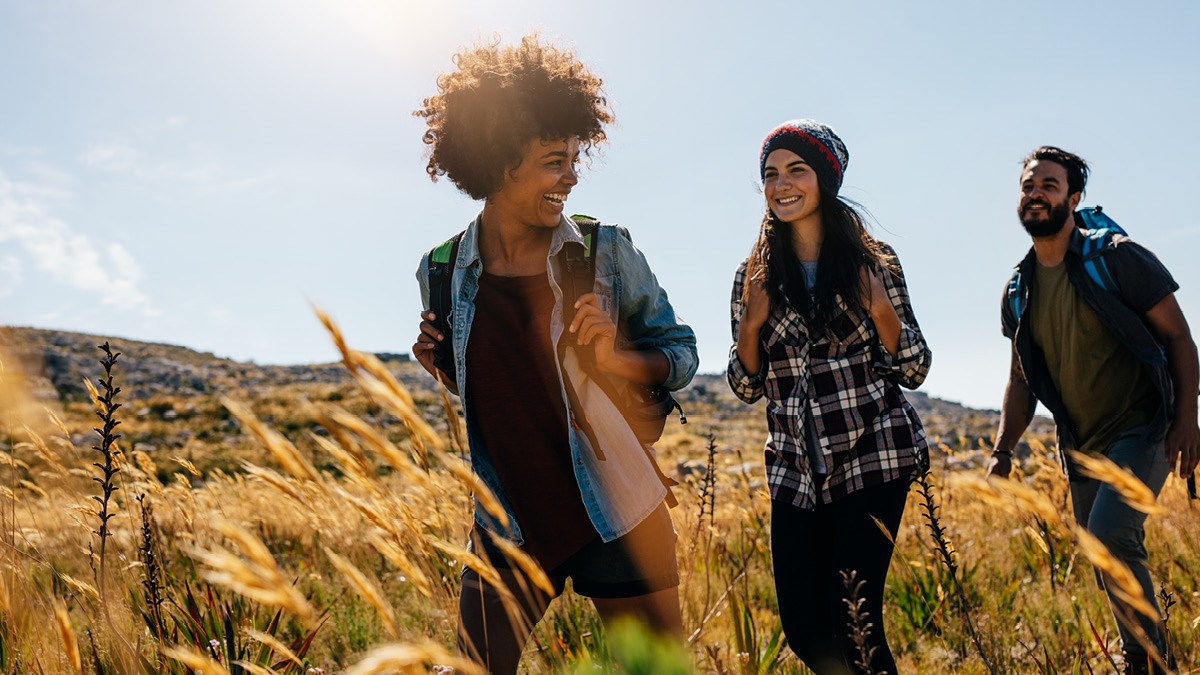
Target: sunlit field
pixel 328 534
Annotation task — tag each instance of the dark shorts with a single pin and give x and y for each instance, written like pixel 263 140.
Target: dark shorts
pixel 638 563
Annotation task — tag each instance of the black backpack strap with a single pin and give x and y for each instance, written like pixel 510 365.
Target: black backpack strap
pixel 1015 295
pixel 441 301
pixel 578 265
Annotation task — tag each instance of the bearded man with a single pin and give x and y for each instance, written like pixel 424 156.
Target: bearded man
pixel 1112 359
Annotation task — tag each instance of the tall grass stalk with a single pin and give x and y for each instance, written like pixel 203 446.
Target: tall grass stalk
pixel 152 582
pixel 1166 600
pixel 945 550
pixel 859 627
pixel 106 411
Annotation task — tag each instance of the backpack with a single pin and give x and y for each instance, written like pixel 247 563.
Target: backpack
pixel 1098 229
pixel 645 407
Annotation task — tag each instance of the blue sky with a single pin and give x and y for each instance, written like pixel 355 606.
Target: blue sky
pixel 194 172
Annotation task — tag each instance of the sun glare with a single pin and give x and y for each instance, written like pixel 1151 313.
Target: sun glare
pixel 396 28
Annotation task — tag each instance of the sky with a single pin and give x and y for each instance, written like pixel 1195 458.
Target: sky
pixel 197 173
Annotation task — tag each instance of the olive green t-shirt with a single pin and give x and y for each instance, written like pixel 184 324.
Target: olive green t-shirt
pixel 1104 387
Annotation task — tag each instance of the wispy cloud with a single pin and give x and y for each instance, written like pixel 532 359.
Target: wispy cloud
pixel 112 157
pixel 106 270
pixel 126 159
pixel 157 160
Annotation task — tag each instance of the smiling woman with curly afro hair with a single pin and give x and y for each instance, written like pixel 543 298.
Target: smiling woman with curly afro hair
pixel 553 363
pixel 500 98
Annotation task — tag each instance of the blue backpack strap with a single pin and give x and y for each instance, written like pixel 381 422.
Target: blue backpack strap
pixel 1098 229
pixel 1094 218
pixel 1093 258
pixel 441 270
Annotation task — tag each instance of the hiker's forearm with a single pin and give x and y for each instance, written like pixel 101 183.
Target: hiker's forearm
pixel 1014 415
pixel 1185 375
pixel 643 366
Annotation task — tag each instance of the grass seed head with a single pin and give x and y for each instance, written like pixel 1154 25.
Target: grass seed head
pixel 275 645
pixel 257 576
pixel 366 589
pixel 1124 585
pixel 528 565
pixel 200 663
pixel 62 621
pixel 1132 490
pixel 412 658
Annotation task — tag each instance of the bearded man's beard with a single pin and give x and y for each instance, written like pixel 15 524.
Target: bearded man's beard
pixel 1056 216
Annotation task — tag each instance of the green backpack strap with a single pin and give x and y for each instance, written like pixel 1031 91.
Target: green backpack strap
pixel 441 302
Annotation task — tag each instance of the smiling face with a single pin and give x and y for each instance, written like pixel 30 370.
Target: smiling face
pixel 533 193
pixel 1046 205
pixel 790 186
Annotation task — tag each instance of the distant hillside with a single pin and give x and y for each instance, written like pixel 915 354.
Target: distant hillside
pixel 58 361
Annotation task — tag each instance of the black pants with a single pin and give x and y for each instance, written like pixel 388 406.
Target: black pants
pixel 809 550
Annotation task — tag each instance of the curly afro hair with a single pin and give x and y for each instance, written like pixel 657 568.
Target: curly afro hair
pixel 500 98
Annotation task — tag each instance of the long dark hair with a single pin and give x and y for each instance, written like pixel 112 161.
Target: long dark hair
pixel 845 250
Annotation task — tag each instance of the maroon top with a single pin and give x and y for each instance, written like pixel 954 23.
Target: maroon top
pixel 515 402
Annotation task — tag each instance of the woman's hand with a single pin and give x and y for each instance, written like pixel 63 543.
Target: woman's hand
pixel 422 350
pixel 594 326
pixel 757 307
pixel 875 296
pixel 755 310
pixel 878 304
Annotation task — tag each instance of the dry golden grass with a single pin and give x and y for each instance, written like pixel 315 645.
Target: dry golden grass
pixel 1132 490
pixel 201 663
pixel 62 621
pixel 1116 573
pixel 411 658
pixel 254 573
pixel 367 590
pixel 359 528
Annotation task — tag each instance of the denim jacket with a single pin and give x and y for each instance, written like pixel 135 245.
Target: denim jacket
pixel 619 485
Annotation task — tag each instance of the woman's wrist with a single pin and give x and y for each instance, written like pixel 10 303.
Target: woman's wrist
pixel 749 329
pixel 610 362
pixel 644 366
pixel 749 354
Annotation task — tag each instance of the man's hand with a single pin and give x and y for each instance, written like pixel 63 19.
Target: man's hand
pixel 1000 465
pixel 1183 444
pixel 1015 415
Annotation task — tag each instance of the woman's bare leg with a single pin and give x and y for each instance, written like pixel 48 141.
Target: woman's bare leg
pixel 658 611
pixel 489 632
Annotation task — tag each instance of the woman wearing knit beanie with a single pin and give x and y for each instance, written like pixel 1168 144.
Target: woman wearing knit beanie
pixel 823 328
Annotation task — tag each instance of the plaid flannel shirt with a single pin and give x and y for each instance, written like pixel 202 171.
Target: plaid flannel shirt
pixel 869 433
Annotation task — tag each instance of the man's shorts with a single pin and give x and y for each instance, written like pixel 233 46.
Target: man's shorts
pixel 638 563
